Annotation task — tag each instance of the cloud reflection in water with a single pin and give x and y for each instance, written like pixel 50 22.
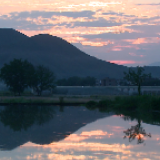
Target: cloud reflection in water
pixel 102 139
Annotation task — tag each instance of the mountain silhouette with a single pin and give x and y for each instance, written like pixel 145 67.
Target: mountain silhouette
pixel 57 54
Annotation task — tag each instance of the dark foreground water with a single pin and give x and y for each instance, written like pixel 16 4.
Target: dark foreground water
pixel 74 133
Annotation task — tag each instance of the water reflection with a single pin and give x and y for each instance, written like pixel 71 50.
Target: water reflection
pixel 76 133
pixel 41 124
pixel 136 131
pixel 101 139
pixel 22 117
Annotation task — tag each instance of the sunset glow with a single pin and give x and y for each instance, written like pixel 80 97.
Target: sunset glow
pixel 122 62
pixel 103 24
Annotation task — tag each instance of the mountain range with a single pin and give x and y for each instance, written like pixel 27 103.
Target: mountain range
pixel 64 59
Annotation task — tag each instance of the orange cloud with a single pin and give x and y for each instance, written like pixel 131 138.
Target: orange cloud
pixel 84 41
pixel 75 35
pixel 57 20
pixel 143 40
pixel 125 6
pixel 123 62
pixel 129 8
pixel 97 44
pixel 63 30
pixel 116 49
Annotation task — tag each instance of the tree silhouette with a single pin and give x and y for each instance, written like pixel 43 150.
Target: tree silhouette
pixel 136 131
pixel 44 79
pixel 77 81
pixel 16 75
pixel 136 78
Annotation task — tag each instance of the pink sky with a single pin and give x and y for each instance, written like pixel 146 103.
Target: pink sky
pixel 100 28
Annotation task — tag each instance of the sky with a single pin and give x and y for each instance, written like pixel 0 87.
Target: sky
pixel 125 32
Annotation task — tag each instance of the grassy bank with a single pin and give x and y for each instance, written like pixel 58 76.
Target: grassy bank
pixel 111 103
pixel 127 104
pixel 65 100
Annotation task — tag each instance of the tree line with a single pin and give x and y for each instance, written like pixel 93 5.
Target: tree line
pixel 20 74
pixel 77 81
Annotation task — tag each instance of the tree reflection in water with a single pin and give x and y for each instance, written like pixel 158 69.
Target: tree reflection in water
pixel 136 131
pixel 21 117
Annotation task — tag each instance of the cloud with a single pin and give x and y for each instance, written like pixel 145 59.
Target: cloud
pixel 149 4
pixel 143 40
pixel 116 49
pixel 63 31
pixel 83 18
pixel 99 26
pixel 135 55
pixel 49 14
pixel 123 62
pixel 38 20
pixel 98 22
pixel 86 135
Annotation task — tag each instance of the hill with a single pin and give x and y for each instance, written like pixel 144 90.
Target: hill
pixel 154 64
pixel 60 56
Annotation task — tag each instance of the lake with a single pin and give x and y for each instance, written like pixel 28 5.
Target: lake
pixel 76 133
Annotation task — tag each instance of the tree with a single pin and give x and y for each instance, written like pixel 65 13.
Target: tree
pixel 136 77
pixel 88 81
pixel 16 75
pixel 43 79
pixel 77 81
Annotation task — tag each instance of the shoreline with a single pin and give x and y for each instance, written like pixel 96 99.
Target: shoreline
pixel 43 104
pixel 54 100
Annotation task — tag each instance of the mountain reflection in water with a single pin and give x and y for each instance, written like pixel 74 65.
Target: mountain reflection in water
pixel 75 133
pixel 40 124
pixel 22 117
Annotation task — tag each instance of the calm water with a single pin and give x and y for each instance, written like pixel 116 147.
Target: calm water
pixel 74 133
